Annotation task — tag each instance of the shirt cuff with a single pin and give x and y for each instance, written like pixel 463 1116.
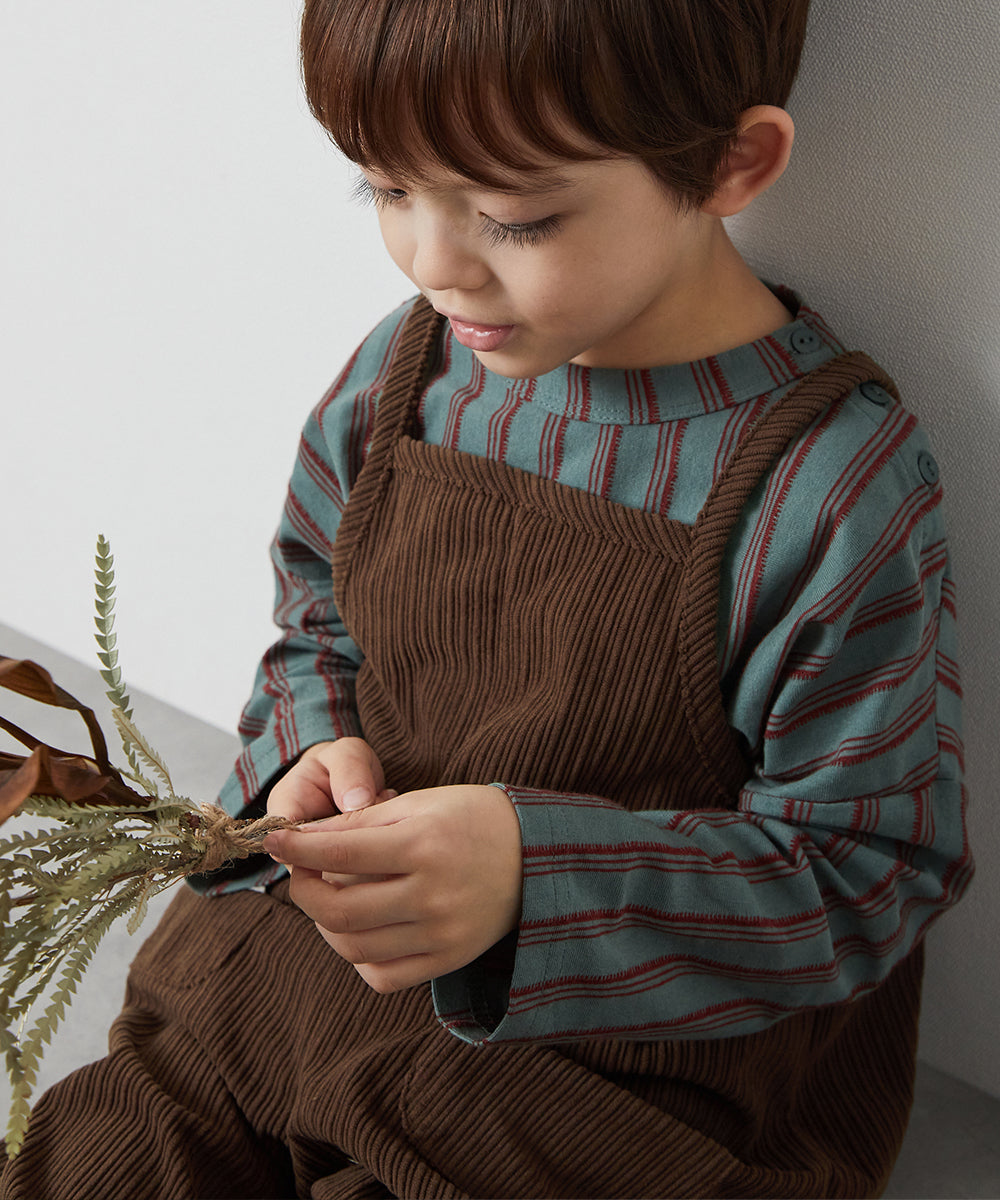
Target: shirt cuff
pixel 473 1002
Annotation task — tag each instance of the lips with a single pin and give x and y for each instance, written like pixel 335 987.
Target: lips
pixel 479 337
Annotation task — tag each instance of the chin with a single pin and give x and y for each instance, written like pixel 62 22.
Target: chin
pixel 518 366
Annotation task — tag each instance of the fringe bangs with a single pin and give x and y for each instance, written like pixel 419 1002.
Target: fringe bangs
pixel 401 86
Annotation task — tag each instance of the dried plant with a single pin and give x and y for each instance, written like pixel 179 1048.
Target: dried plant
pixel 102 850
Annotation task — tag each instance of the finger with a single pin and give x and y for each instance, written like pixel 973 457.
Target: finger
pixel 396 974
pixel 361 909
pixel 303 794
pixel 329 777
pixel 380 850
pixel 356 779
pixel 391 809
pixel 352 880
pixel 391 943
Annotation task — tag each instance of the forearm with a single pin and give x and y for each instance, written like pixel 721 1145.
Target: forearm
pixel 694 925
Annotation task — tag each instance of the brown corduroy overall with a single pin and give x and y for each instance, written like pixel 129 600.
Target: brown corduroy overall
pixel 251 1062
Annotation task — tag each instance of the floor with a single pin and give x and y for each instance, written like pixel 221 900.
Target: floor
pixel 953 1145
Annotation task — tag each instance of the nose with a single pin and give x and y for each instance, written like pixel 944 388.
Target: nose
pixel 445 257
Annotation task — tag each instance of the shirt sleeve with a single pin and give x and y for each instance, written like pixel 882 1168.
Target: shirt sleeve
pixel 838 655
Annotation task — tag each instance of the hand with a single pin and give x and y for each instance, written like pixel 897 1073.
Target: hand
pixel 450 861
pixel 330 777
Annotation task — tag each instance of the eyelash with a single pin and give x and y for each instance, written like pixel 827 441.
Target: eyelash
pixel 528 233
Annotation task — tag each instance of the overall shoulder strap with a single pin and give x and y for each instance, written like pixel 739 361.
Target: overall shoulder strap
pixel 755 456
pixel 397 406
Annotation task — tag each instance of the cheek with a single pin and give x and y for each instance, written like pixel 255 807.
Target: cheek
pixel 397 241
pixel 545 283
pixel 574 284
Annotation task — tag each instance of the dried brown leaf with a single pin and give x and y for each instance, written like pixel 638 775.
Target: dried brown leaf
pixel 48 771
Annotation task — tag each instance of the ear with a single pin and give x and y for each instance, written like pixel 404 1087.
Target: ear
pixel 756 160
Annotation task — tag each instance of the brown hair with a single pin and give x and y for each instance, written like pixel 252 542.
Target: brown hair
pixel 477 86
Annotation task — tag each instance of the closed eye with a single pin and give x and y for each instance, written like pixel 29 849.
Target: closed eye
pixel 524 233
pixel 363 191
pixel 497 233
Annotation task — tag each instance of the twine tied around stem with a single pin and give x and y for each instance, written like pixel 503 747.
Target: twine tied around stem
pixel 226 839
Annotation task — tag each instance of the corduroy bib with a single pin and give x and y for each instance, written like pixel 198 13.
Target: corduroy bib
pixel 520 631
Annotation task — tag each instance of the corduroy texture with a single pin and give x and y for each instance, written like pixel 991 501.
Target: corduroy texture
pixel 481 597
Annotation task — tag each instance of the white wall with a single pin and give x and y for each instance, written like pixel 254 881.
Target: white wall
pixel 182 276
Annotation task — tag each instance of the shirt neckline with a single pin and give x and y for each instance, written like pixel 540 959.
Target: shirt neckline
pixel 604 395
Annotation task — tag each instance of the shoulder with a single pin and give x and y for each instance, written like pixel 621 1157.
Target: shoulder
pixel 868 442
pixel 357 388
pixel 852 506
pixel 845 533
pixel 337 430
pixel 865 460
pixel 367 367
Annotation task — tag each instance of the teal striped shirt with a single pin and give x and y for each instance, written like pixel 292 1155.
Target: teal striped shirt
pixel 838 663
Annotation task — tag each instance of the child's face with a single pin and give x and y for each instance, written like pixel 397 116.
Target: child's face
pixel 601 269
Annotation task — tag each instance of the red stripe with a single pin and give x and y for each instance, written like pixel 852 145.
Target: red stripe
pixel 498 436
pixel 892 541
pixel 646 409
pixel 856 750
pixel 850 691
pixel 712 385
pixel 318 470
pixel 602 470
pixel 780 364
pixel 752 568
pixel 459 402
pixel 872 457
pixel 551 443
pixel 738 424
pixel 302 522
pixel 663 478
pixel 577 392
pixel 598 922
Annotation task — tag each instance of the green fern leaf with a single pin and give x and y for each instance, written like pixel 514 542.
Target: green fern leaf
pixel 129 732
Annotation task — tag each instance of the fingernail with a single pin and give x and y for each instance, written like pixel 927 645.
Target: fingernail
pixel 359 797
pixel 269 845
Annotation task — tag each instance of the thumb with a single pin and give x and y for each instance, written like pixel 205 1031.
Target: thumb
pixel 355 773
pixel 343 775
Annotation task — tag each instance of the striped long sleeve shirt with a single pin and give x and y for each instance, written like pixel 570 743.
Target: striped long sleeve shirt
pixel 836 642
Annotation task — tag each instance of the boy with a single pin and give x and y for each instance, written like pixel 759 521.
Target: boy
pixel 627 719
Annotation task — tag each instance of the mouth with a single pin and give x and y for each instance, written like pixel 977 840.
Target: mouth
pixel 477 336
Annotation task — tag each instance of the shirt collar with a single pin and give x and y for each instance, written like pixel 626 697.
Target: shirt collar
pixel 634 397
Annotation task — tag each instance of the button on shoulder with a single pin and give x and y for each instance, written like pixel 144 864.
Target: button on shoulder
pixel 805 341
pixel 928 468
pixel 875 394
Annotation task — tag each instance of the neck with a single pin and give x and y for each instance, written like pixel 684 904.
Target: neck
pixel 733 307
pixel 719 304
